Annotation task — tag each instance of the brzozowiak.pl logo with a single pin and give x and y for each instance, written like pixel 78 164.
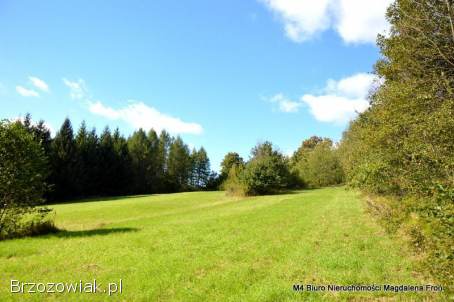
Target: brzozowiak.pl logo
pixel 91 287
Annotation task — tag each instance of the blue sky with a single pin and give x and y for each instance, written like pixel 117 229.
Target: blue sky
pixel 222 74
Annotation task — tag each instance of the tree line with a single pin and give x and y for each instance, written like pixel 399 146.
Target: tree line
pixel 83 163
pixel 402 147
pixel 36 169
pixel 314 164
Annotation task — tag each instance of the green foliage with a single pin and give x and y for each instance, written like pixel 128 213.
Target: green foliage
pixel 403 146
pixel 316 163
pixel 230 159
pixel 200 168
pixel 23 170
pixel 64 162
pixel 234 185
pixel 141 161
pixel 266 172
pixel 179 165
pixel 87 165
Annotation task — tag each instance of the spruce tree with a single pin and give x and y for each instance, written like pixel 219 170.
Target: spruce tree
pixel 63 161
pixel 139 150
pixel 179 165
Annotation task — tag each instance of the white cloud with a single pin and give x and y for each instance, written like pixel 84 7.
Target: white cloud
pixel 38 83
pixel 356 21
pixel 285 104
pixel 342 100
pixel 334 108
pixel 26 92
pixel 359 21
pixel 33 122
pixel 139 115
pixel 339 102
pixel 355 86
pixel 302 19
pixel 51 128
pixel 77 88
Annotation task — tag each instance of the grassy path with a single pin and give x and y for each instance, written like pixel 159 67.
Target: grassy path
pixel 209 247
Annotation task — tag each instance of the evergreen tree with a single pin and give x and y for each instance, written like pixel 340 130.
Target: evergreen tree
pixel 154 173
pixel 63 162
pixel 139 150
pixel 201 167
pixel 108 164
pixel 123 164
pixel 179 165
pixel 40 132
pixel 165 140
pixel 193 177
pixel 88 162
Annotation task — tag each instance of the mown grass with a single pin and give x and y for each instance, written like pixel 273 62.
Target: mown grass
pixel 209 247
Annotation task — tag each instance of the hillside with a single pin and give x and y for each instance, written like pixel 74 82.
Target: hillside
pixel 204 246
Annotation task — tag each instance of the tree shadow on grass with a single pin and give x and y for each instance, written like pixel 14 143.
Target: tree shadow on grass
pixel 48 229
pixel 90 233
pixel 95 199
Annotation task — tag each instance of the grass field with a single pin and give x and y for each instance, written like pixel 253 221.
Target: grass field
pixel 209 247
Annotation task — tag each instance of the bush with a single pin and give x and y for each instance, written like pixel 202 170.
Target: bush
pixel 38 223
pixel 233 184
pixel 402 147
pixel 318 164
pixel 266 172
pixel 23 169
pixel 427 225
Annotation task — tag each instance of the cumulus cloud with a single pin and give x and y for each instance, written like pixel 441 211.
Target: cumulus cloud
pixel 356 21
pixel 339 102
pixel 39 84
pixel 302 19
pixel 77 89
pixel 285 104
pixel 355 86
pixel 334 108
pixel 26 92
pixel 359 21
pixel 140 115
pixel 135 113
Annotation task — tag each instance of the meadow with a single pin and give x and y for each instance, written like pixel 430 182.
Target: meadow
pixel 206 246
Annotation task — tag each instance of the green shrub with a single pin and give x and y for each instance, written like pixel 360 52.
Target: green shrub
pixel 402 147
pixel 317 164
pixel 266 172
pixel 23 169
pixel 427 225
pixel 233 184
